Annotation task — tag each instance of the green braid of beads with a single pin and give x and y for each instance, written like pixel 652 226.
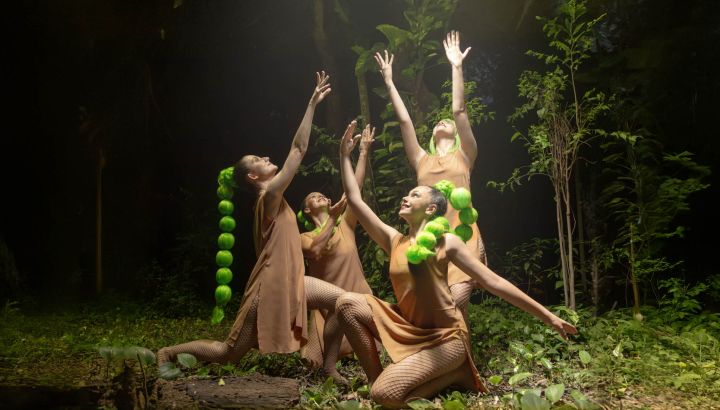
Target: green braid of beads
pixel 425 242
pixel 226 240
pixel 461 200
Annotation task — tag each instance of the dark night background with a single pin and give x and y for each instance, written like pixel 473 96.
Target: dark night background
pixel 173 95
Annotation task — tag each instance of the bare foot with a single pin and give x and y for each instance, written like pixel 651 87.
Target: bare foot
pixel 337 377
pixel 163 356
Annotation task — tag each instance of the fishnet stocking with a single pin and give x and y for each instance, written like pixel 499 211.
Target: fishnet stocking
pixel 356 320
pixel 215 351
pixel 461 292
pixel 322 295
pixel 421 375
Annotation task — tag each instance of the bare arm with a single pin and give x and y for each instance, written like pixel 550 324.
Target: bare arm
pixel 366 140
pixel 462 122
pixel 468 263
pixel 381 233
pixel 315 249
pixel 279 183
pixel 413 150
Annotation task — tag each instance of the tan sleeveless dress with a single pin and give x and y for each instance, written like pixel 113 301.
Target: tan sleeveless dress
pixel 341 266
pixel 425 315
pixel 277 281
pixel 453 167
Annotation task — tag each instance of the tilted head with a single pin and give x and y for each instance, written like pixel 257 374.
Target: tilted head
pixel 444 129
pixel 422 202
pixel 314 203
pixel 251 170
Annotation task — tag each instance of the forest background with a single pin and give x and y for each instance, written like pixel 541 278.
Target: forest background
pixel 152 99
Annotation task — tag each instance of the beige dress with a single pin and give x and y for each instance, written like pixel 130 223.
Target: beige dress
pixel 277 282
pixel 341 266
pixel 453 167
pixel 425 315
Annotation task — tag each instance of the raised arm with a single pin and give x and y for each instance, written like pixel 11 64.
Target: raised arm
pixel 277 186
pixel 377 229
pixel 462 122
pixel 315 248
pixel 413 150
pixel 493 283
pixel 366 140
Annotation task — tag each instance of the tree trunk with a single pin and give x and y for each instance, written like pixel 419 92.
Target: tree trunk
pixel 334 107
pixel 561 245
pixel 581 229
pixel 633 280
pixel 569 229
pixel 98 222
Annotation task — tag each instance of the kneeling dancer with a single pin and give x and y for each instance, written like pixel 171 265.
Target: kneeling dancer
pixel 273 311
pixel 331 253
pixel 424 334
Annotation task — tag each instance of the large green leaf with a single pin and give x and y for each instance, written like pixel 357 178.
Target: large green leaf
pixel 395 35
pixel 518 378
pixel 187 360
pixel 531 401
pixel 169 371
pixel 555 392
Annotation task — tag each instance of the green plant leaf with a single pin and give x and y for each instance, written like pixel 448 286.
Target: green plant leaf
pixel 531 401
pixel 453 404
pixel 348 405
pixel 495 380
pixel 515 379
pixel 585 357
pixel 145 355
pixel 106 352
pixel 168 371
pixel 187 360
pixel 421 404
pixel 554 392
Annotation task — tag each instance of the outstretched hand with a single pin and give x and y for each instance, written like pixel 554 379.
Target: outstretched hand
pixel 452 49
pixel 367 138
pixel 338 208
pixel 322 87
pixel 385 64
pixel 348 142
pixel 562 327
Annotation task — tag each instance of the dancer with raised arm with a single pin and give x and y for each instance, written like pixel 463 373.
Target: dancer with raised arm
pixel 424 333
pixel 273 311
pixel 332 255
pixel 452 153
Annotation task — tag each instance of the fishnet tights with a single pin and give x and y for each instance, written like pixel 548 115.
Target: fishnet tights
pixel 461 292
pixel 422 374
pixel 356 321
pixel 319 294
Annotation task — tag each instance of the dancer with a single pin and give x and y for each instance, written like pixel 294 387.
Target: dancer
pixel 273 311
pixel 332 255
pixel 424 334
pixel 453 150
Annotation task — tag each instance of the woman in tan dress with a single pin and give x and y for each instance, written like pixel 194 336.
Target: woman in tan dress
pixel 331 254
pixel 424 334
pixel 453 151
pixel 273 311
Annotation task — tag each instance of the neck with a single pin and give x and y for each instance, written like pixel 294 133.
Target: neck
pixel 320 218
pixel 444 145
pixel 416 227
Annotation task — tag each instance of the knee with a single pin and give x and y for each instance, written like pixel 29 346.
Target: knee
pixel 386 397
pixel 345 303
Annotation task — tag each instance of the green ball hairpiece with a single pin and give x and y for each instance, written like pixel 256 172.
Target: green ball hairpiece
pixel 226 240
pixel 461 200
pixel 425 241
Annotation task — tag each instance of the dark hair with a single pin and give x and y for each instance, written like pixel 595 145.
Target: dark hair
pixel 438 199
pixel 240 176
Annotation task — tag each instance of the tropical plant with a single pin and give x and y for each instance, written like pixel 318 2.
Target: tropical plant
pixel 566 121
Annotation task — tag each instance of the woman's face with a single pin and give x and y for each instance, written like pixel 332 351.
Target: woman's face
pixel 259 168
pixel 315 201
pixel 444 129
pixel 415 204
